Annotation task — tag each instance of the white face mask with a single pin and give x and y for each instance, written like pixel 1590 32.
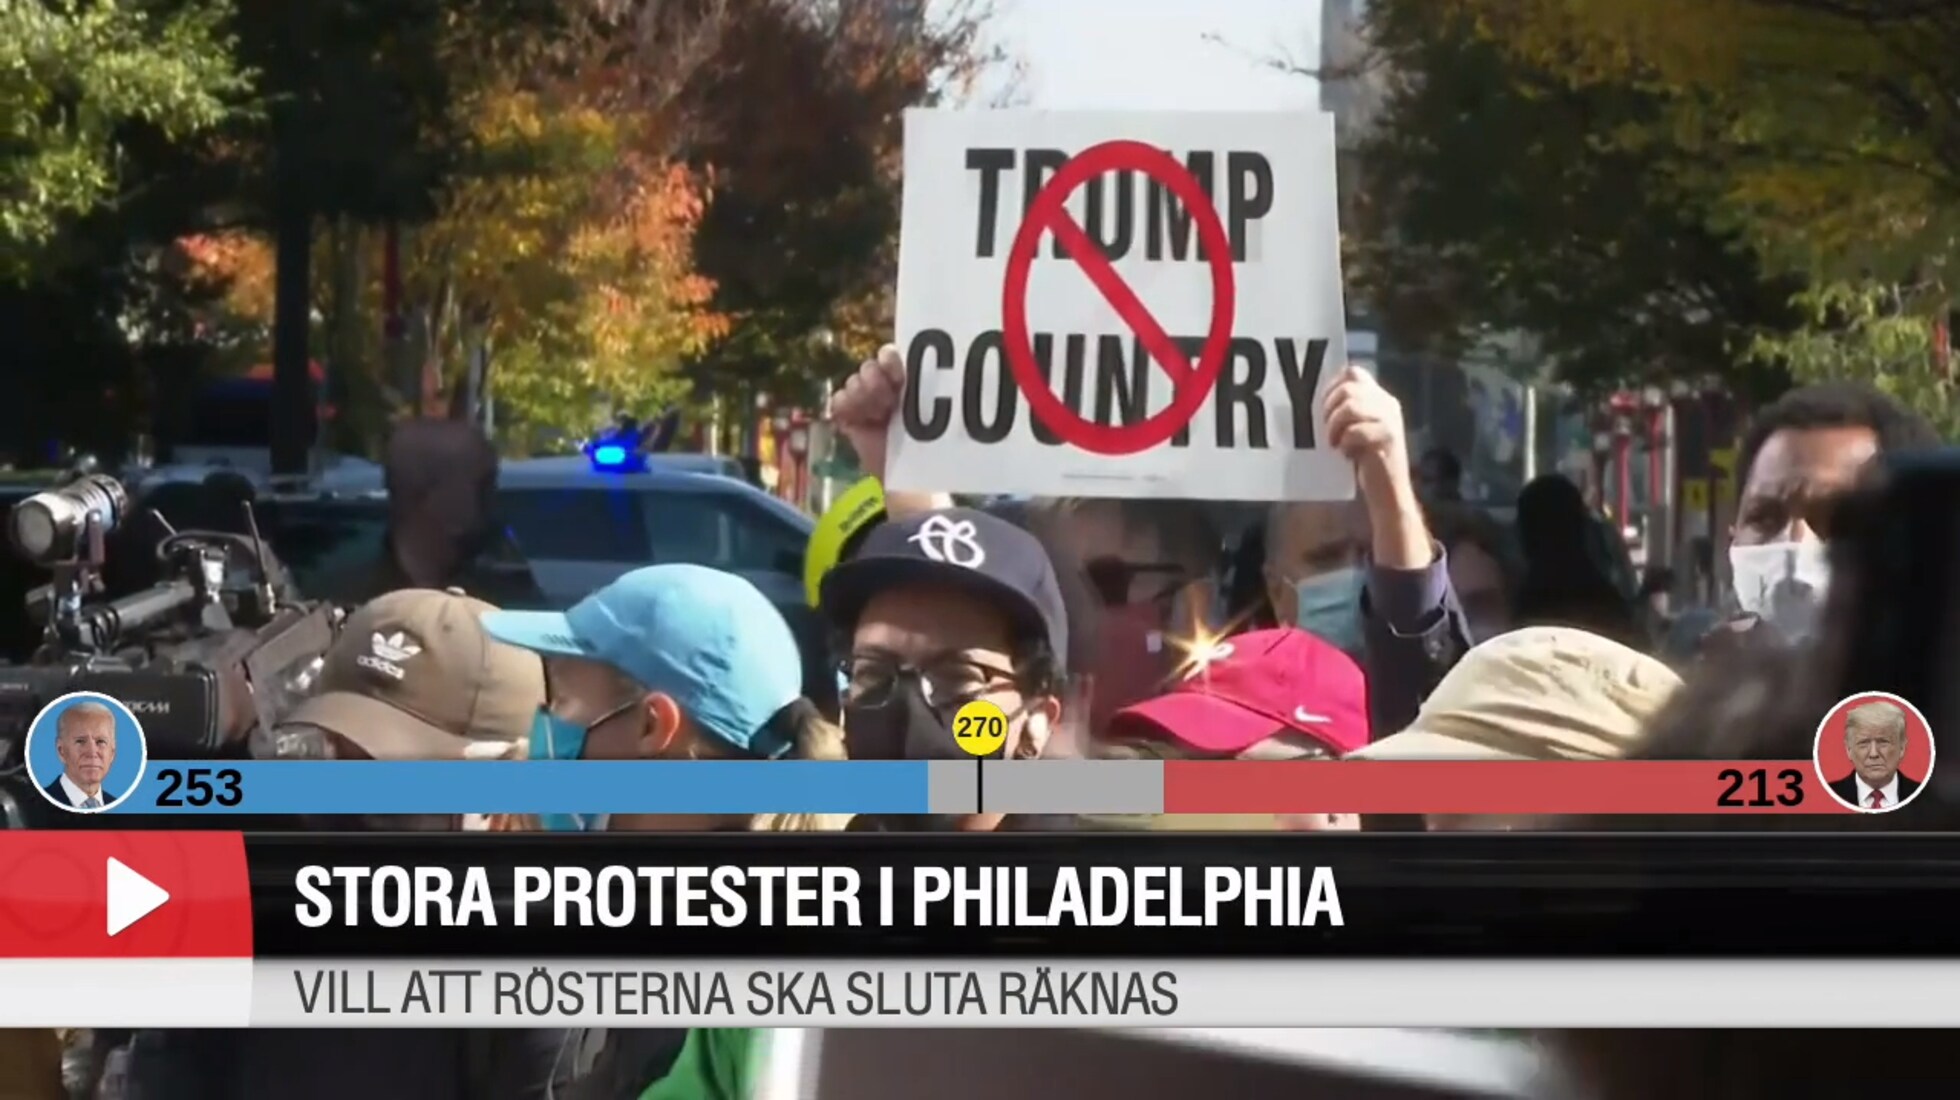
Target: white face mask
pixel 1782 583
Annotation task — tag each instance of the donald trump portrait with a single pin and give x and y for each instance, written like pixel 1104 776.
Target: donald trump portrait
pixel 1875 740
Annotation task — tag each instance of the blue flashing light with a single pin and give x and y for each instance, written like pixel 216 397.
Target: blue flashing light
pixel 609 456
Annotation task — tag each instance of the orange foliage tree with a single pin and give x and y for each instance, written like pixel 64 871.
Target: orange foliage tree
pixel 563 263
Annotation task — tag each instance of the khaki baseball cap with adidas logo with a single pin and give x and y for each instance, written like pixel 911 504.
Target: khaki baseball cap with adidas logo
pixel 413 676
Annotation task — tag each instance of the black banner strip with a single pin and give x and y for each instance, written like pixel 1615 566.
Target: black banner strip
pixel 1525 895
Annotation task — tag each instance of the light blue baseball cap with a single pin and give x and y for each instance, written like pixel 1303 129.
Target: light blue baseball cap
pixel 708 639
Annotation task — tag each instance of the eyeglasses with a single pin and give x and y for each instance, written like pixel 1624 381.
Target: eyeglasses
pixel 1115 580
pixel 872 679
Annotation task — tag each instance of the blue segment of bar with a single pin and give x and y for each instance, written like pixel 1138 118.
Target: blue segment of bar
pixel 530 787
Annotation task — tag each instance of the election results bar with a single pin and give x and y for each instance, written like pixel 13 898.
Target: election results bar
pixel 966 786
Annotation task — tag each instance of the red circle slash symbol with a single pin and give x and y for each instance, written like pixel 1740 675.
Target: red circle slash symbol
pixel 1049 213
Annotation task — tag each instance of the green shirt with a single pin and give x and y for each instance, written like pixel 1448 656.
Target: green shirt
pixel 715 1063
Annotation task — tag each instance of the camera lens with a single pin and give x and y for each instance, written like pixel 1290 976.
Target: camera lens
pixel 48 528
pixel 33 529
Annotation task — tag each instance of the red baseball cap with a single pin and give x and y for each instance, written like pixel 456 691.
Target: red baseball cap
pixel 1252 686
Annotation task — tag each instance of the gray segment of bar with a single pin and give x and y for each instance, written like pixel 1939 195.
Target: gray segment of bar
pixel 1074 787
pixel 952 786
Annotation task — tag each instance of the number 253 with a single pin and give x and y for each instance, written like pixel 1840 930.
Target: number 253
pixel 200 787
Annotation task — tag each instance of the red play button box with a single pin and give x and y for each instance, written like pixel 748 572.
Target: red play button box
pixel 89 894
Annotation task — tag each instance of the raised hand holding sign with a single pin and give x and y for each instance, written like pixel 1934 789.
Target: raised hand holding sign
pixel 863 408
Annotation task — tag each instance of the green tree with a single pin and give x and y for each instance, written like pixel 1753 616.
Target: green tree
pixel 74 76
pixel 1492 197
pixel 1823 133
pixel 798 124
pixel 1828 131
pixel 1870 333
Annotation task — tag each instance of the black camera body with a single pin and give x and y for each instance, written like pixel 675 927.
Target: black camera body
pixel 177 702
pixel 220 645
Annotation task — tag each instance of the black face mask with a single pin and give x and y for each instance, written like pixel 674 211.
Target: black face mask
pixel 903 727
pixel 906 823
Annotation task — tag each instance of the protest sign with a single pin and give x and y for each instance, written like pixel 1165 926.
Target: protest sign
pixel 1119 305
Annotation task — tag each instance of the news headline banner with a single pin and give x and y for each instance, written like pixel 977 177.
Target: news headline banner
pixel 1489 930
pixel 1119 304
pixel 1128 787
pixel 1097 896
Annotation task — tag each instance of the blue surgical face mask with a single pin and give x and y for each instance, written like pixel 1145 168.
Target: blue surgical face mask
pixel 556 738
pixel 1330 607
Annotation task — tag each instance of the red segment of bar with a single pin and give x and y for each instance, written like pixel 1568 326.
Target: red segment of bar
pixel 140 895
pixel 1495 787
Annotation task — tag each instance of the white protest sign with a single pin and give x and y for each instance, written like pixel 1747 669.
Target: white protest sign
pixel 1119 305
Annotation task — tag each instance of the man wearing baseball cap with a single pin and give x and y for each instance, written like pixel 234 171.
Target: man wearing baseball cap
pixel 667 662
pixel 939 609
pixel 413 676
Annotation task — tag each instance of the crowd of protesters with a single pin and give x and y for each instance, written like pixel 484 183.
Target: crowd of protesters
pixel 1401 586
pixel 1404 624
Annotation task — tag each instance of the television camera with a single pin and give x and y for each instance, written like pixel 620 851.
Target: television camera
pixel 219 645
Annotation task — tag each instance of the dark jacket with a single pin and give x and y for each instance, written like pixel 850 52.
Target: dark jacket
pixel 1847 788
pixel 400 1064
pixel 60 794
pixel 1574 572
pixel 441 477
pixel 1413 632
pixel 624 1061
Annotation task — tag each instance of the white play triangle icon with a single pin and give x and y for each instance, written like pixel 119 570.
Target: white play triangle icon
pixel 131 896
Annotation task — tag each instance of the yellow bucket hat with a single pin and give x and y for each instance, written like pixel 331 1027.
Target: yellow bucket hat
pixel 856 510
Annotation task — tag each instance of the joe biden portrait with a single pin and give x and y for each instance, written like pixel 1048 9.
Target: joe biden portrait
pixel 85 742
pixel 1875 740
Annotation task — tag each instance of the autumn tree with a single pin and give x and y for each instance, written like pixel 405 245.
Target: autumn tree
pixel 556 276
pixel 571 277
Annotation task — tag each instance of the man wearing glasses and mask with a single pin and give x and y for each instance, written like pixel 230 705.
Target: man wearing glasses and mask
pixel 939 609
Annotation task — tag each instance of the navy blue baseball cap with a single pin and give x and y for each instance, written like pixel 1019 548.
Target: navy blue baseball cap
pixel 708 639
pixel 961 548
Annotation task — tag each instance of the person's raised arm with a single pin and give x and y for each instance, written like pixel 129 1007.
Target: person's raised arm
pixel 1412 626
pixel 863 409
